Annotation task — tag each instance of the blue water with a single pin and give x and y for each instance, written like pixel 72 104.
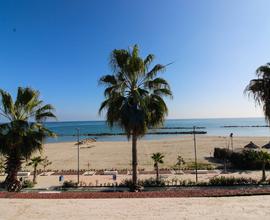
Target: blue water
pixel 212 127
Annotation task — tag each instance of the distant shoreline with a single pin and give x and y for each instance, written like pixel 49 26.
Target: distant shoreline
pixel 123 134
pixel 100 130
pixel 245 126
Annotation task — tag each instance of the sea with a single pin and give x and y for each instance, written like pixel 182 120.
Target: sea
pixel 67 131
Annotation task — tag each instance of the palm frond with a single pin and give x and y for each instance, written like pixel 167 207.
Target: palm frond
pixel 7 106
pixel 148 60
pixel 133 95
pixel 259 89
pixel 155 70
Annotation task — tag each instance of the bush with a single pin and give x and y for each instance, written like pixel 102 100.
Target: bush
pixel 200 166
pixel 152 182
pixel 27 184
pixel 69 184
pixel 2 184
pixel 186 183
pixel 247 159
pixel 222 153
pixel 231 181
pixel 145 183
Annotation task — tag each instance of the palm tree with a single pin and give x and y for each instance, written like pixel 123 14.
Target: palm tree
pixel 23 132
pixel 259 89
pixel 134 96
pixel 158 159
pixel 263 158
pixel 35 161
pixel 179 163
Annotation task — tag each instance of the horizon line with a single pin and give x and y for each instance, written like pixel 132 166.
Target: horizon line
pixel 102 120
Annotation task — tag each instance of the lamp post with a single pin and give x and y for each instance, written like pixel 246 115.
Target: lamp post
pixel 78 154
pixel 195 151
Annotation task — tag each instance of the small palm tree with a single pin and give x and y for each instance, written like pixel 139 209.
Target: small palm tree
pixel 259 89
pixel 180 162
pixel 263 158
pixel 134 97
pixel 35 161
pixel 45 163
pixel 158 159
pixel 24 131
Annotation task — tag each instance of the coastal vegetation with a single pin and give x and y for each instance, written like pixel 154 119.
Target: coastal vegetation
pixel 259 89
pixel 246 159
pixel 23 132
pixel 215 181
pixel 27 184
pixel 69 184
pixel 134 97
pixel 35 162
pixel 158 158
pixel 150 182
pixel 263 158
pixel 180 162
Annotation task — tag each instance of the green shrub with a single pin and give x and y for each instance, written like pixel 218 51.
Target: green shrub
pixel 186 183
pixel 200 166
pixel 125 183
pixel 152 182
pixel 145 183
pixel 27 184
pixel 2 184
pixel 247 159
pixel 69 184
pixel 222 153
pixel 231 181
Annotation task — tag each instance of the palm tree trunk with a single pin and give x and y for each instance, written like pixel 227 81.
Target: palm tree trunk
pixel 35 174
pixel 157 172
pixel 263 172
pixel 13 165
pixel 134 160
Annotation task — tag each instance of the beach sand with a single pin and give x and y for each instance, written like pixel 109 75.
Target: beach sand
pixel 252 207
pixel 117 155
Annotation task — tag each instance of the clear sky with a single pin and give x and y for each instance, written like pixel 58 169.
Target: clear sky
pixel 62 47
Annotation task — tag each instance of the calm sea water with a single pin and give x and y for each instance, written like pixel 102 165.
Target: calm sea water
pixel 212 127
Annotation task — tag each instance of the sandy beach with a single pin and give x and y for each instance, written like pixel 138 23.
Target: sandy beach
pixel 253 207
pixel 117 155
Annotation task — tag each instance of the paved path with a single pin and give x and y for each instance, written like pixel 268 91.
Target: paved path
pixel 254 207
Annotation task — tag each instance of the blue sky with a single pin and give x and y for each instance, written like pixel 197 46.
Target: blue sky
pixel 62 47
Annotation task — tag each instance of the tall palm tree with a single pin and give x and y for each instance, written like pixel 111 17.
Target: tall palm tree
pixel 35 161
pixel 158 159
pixel 23 131
pixel 259 89
pixel 134 96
